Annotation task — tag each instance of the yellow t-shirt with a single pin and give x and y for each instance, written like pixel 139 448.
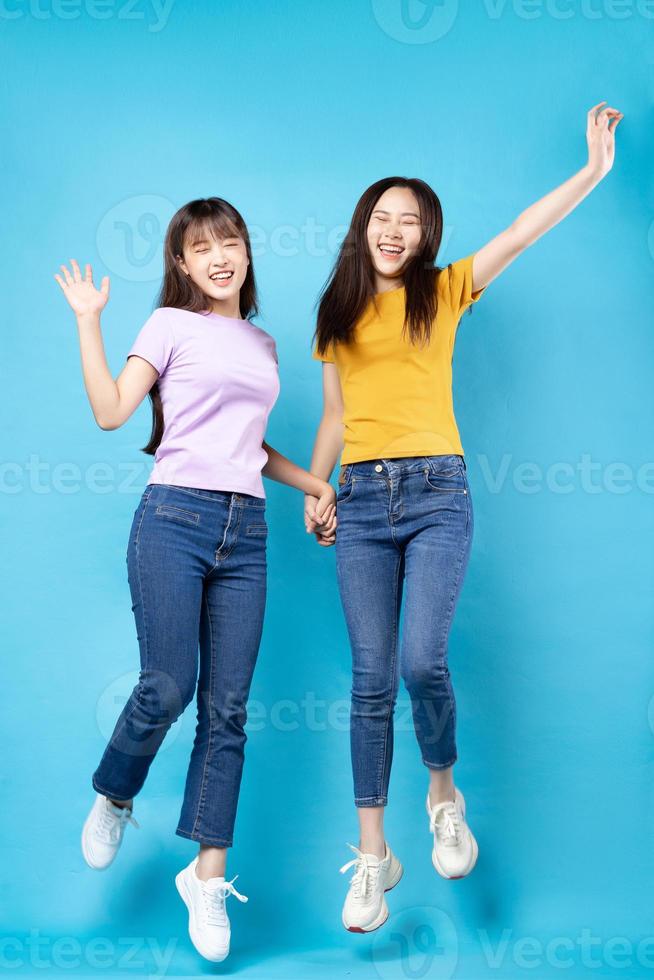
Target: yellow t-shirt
pixel 397 395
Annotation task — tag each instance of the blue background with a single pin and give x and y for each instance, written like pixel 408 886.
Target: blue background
pixel 290 110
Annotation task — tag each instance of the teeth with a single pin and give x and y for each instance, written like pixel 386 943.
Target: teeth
pixel 221 275
pixel 393 249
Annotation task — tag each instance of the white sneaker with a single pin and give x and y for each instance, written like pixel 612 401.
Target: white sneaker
pixel 455 849
pixel 365 907
pixel 103 831
pixel 208 922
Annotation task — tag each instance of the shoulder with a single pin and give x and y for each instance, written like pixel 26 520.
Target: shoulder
pixel 263 335
pixel 453 273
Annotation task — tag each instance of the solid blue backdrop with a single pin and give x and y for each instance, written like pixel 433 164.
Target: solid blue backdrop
pixel 117 113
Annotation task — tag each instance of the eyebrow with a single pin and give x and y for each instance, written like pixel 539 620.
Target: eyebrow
pixel 205 241
pixel 404 214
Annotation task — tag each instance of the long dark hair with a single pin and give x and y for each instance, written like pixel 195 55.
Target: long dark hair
pixel 220 219
pixel 351 284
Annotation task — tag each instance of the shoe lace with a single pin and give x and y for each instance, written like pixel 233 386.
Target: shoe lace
pixel 110 823
pixel 365 874
pixel 445 821
pixel 214 901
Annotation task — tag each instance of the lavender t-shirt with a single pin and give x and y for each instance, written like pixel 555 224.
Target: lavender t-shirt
pixel 218 381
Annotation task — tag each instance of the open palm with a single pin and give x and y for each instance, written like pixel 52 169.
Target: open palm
pixel 80 292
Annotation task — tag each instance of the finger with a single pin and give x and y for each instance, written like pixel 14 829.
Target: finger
pixel 104 286
pixel 88 275
pixel 67 276
pixel 61 282
pixel 324 515
pixel 76 273
pixel 592 113
pixel 605 117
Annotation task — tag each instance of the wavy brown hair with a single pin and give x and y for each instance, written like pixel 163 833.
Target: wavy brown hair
pixel 351 284
pixel 219 219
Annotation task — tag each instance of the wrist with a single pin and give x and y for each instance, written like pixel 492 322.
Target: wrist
pixel 593 173
pixel 319 486
pixel 87 319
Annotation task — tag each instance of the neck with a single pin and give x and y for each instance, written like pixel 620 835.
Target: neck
pixel 384 283
pixel 227 307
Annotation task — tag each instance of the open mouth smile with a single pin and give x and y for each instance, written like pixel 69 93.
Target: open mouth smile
pixel 391 251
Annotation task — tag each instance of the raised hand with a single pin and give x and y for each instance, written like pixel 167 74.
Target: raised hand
pixel 83 297
pixel 600 136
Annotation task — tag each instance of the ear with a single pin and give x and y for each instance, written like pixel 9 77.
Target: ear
pixel 182 264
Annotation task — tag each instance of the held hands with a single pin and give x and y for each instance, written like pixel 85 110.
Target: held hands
pixel 81 294
pixel 320 516
pixel 600 136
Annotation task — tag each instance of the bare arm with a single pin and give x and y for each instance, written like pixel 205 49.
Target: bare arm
pixel 326 451
pixel 537 219
pixel 112 402
pixel 329 438
pixel 283 470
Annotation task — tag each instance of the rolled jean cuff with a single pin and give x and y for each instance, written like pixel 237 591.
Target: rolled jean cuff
pixel 440 765
pixel 372 801
pixel 203 839
pixel 109 794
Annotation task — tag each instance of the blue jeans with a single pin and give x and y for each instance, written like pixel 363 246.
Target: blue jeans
pixel 196 562
pixel 403 524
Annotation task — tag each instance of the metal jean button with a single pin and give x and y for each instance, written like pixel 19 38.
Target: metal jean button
pixel 378 468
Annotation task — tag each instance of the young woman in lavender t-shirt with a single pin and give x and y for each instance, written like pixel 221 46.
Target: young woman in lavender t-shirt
pixel 196 555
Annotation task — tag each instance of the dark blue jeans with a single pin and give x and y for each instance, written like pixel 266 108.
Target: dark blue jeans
pixel 196 563
pixel 404 525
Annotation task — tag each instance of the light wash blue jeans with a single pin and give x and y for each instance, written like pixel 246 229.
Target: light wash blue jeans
pixel 196 564
pixel 403 525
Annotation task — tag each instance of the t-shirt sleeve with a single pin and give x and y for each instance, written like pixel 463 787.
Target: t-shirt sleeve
pixel 155 341
pixel 328 356
pixel 458 285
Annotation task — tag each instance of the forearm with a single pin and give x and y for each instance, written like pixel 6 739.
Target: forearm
pixel 328 447
pixel 283 470
pixel 101 388
pixel 537 219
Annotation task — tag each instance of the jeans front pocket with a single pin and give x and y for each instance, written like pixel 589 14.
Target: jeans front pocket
pixel 345 490
pixel 257 529
pixel 445 474
pixel 170 512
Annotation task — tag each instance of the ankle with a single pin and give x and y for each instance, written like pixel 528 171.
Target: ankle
pixel 441 796
pixel 376 846
pixel 123 804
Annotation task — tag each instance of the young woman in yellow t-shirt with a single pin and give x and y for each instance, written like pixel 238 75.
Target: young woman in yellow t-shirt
pixel 386 328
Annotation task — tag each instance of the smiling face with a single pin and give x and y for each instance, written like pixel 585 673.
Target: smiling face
pixel 218 265
pixel 394 235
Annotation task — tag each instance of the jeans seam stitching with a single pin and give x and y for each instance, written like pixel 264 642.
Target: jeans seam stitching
pixel 236 529
pixel 380 774
pixel 200 809
pixel 137 700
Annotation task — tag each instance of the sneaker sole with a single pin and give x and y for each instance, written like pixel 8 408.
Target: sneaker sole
pixel 473 861
pixel 182 888
pixel 377 925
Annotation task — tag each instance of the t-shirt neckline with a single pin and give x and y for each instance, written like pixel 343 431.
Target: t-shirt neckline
pixel 229 319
